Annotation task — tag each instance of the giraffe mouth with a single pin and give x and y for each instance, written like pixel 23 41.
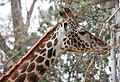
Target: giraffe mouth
pixel 105 50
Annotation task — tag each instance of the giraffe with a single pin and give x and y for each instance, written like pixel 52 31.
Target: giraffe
pixel 67 36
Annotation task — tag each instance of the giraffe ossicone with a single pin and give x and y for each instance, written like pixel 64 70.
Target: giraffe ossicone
pixel 66 36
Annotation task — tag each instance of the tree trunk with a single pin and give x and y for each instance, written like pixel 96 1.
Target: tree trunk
pixel 113 56
pixel 117 17
pixel 114 42
pixel 20 30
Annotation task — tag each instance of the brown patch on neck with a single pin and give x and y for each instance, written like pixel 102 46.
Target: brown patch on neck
pixel 16 66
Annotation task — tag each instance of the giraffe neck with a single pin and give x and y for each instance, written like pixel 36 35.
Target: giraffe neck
pixel 33 65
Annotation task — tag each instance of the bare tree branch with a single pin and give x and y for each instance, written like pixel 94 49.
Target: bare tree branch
pixel 96 1
pixel 106 22
pixel 3 45
pixel 113 14
pixel 26 43
pixel 29 13
pixel 16 13
pixel 12 57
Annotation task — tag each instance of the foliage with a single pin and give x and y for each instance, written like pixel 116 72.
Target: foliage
pixel 70 67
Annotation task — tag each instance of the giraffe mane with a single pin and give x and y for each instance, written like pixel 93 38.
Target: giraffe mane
pixel 40 41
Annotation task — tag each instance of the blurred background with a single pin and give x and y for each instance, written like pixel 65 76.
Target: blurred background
pixel 23 22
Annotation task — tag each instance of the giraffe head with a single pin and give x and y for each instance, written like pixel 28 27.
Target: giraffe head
pixel 77 39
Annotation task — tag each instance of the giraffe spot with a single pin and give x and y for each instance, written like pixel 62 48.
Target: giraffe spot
pixel 68 42
pixel 83 46
pixel 44 54
pixel 72 42
pixel 47 38
pixel 33 57
pixel 64 43
pixel 81 49
pixel 21 78
pixel 55 42
pixel 95 39
pixel 38 50
pixel 60 25
pixel 76 35
pixel 73 35
pixel 99 40
pixel 54 36
pixel 42 45
pixel 65 25
pixel 32 77
pixel 40 59
pixel 54 53
pixel 91 45
pixel 52 61
pixel 79 44
pixel 66 46
pixel 47 63
pixel 64 39
pixel 69 35
pixel 72 32
pixel 31 67
pixel 81 41
pixel 49 44
pixel 14 75
pixel 90 36
pixel 41 69
pixel 75 46
pixel 75 41
pixel 50 53
pixel 28 58
pixel 78 38
pixel 43 51
pixel 86 44
pixel 23 67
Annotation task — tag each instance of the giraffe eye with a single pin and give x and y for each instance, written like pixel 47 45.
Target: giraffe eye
pixel 82 33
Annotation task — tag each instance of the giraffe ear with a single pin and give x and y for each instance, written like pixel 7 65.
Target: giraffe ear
pixel 63 15
pixel 69 13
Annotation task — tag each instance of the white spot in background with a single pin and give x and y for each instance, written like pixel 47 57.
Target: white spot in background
pixel 66 75
pixel 5 10
pixel 64 57
pixel 107 70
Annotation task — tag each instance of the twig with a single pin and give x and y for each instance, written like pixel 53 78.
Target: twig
pixel 112 15
pixel 90 64
pixel 13 57
pixel 109 20
pixel 3 45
